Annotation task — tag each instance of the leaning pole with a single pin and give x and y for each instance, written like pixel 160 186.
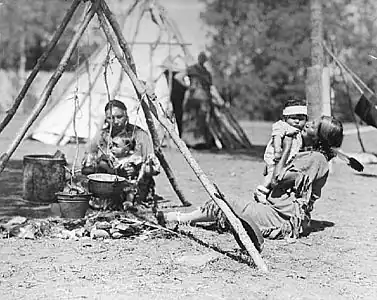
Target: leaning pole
pixel 211 189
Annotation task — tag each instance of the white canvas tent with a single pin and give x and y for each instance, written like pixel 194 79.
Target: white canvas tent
pixel 156 45
pixel 152 45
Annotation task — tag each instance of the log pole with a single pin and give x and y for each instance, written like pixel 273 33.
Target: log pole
pixel 209 187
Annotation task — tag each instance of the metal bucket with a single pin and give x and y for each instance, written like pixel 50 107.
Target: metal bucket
pixel 106 185
pixel 43 177
pixel 73 206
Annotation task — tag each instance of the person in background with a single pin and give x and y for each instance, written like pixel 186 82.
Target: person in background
pixel 285 143
pixel 197 104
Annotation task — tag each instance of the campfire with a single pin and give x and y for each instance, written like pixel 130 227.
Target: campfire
pixel 97 225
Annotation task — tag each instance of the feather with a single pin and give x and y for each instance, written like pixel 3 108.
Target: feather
pixel 351 161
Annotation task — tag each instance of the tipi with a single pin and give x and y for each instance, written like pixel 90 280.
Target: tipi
pixel 157 46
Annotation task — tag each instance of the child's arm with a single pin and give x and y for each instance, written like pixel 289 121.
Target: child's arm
pixel 277 144
pixel 280 164
pixel 278 133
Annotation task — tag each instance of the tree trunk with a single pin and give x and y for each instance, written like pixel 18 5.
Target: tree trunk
pixel 314 73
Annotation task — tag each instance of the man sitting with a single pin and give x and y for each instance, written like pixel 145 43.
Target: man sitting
pixel 123 149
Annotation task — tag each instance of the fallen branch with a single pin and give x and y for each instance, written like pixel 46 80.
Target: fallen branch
pixel 150 224
pixel 210 188
pixel 50 86
pixel 58 33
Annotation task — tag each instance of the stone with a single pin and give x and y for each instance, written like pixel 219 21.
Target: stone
pixel 122 227
pixel 99 234
pixel 27 232
pixel 103 225
pixel 80 232
pixel 116 235
pixel 16 221
pixel 68 234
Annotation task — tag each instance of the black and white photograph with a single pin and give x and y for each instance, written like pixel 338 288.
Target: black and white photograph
pixel 188 149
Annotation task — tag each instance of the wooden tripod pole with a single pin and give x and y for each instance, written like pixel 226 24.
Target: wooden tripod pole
pixel 50 86
pixel 349 71
pixel 156 110
pixel 170 25
pixel 58 33
pixel 344 71
pixel 148 116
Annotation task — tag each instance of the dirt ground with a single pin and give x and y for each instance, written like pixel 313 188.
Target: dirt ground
pixel 336 261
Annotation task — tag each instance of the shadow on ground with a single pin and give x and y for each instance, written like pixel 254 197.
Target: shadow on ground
pixel 11 202
pixel 238 255
pixel 369 175
pixel 316 225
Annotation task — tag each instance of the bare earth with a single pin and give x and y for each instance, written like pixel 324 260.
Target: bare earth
pixel 336 261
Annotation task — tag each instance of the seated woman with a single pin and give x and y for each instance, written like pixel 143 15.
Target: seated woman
pixel 287 213
pixel 130 152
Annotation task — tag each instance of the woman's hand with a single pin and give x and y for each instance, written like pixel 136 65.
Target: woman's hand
pixel 127 169
pixel 292 131
pixel 286 179
pixel 275 174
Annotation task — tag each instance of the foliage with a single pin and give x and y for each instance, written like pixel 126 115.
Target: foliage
pixel 261 48
pixel 36 21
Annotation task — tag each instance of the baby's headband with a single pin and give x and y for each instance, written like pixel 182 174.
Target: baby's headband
pixel 295 110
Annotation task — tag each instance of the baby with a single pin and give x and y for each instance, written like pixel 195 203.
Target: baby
pixel 284 144
pixel 123 150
